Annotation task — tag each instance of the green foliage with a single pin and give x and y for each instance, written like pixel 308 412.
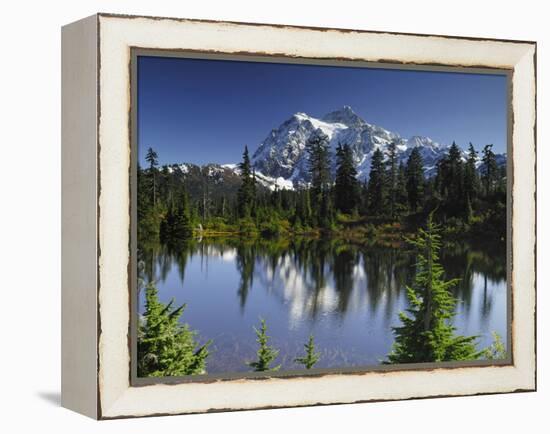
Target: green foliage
pixel 302 211
pixel 415 179
pixel 326 213
pixel 176 225
pixel 401 195
pixel 450 184
pixel 319 163
pixel 218 224
pixel 274 227
pixel 247 226
pixel 152 159
pixel 392 179
pixel 319 170
pixel 471 178
pixel 165 347
pixel 376 189
pixel 346 185
pixel 426 333
pixel 176 201
pixel 495 351
pixel 490 171
pixel 311 357
pixel 172 202
pixel 247 192
pixel 266 354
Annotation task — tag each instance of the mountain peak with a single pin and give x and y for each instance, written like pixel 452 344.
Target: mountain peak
pixel 283 153
pixel 344 115
pixel 422 141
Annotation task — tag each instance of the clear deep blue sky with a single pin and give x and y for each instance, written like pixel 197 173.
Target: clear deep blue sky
pixel 203 111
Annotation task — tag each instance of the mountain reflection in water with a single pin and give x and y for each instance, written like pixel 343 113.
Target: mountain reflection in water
pixel 347 296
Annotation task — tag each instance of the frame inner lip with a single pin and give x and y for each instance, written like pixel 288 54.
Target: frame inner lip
pixel 136 51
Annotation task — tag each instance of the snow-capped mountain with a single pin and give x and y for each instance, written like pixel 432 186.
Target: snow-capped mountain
pixel 282 154
pixel 219 178
pixel 280 161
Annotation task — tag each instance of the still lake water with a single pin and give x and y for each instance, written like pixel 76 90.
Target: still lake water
pixel 347 296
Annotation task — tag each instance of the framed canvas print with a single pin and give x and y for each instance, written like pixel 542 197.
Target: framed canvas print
pixel 261 216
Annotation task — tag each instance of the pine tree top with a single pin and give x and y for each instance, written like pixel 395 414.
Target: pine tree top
pixel 266 354
pixel 427 333
pixel 311 357
pixel 166 347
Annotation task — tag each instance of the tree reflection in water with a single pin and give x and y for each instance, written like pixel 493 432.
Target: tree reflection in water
pixel 320 285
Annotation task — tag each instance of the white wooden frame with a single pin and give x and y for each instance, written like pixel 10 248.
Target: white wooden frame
pixel 96 215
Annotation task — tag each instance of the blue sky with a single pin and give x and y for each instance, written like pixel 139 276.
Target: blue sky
pixel 203 111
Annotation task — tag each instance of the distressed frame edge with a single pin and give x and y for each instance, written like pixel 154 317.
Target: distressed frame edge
pixel 302 27
pixel 533 45
pixel 79 218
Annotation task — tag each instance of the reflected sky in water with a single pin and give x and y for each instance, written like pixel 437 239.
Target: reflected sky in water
pixel 347 296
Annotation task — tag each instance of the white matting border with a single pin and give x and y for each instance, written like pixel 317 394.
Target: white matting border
pixel 116 36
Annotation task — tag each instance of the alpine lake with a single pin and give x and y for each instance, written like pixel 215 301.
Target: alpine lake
pixel 347 296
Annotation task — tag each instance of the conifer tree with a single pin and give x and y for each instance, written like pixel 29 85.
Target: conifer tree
pixel 306 207
pixel 266 353
pixel 471 180
pixel 311 357
pixel 152 158
pixel 415 179
pixel 302 214
pixel 346 186
pixel 247 190
pixel 426 333
pixel 401 190
pixel 165 347
pixel 182 223
pixel 205 201
pixel 489 169
pixel 177 225
pixel 392 178
pixel 364 195
pixel 377 186
pixel 166 225
pixel 254 189
pixel 455 174
pixel 326 211
pixel 450 180
pixel 501 179
pixel 148 219
pixel 319 170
